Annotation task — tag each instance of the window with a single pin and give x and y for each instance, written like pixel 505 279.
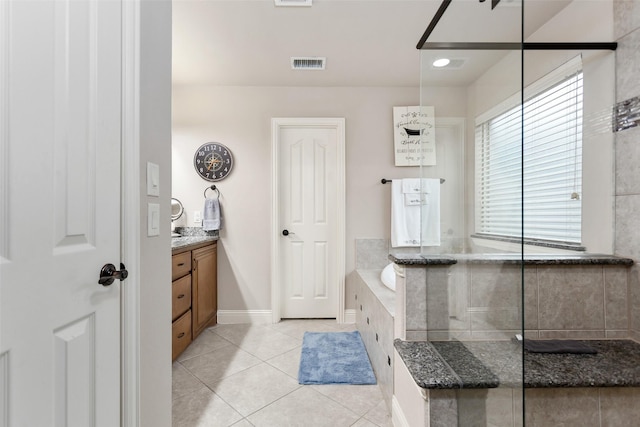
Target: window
pixel 535 167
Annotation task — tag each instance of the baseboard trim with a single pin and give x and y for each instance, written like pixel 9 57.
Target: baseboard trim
pixel 350 315
pixel 397 416
pixel 228 317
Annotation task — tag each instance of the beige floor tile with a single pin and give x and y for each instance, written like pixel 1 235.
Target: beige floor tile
pixel 288 362
pixel 203 409
pixel 218 364
pixel 380 415
pixel 357 398
pixel 304 407
pixel 260 341
pixel 297 327
pixel 363 422
pixel 254 388
pixel 183 382
pixel 243 423
pixel 237 333
pixel 207 341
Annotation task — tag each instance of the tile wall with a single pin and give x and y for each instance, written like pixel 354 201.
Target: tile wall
pixel 482 302
pixel 627 146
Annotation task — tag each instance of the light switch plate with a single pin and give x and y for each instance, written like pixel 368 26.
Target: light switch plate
pixel 153 179
pixel 153 219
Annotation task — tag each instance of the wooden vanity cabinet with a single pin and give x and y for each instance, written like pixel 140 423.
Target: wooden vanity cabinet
pixel 204 292
pixel 195 294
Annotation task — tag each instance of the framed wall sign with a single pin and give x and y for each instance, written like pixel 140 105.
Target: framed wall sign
pixel 414 139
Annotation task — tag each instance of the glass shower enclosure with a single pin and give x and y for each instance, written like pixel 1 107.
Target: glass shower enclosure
pixel 517 98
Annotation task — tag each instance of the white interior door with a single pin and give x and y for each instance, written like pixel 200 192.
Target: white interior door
pixel 60 222
pixel 310 189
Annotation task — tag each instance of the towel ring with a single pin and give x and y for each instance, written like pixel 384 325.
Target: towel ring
pixel 214 188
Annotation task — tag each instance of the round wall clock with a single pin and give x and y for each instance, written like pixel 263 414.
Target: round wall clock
pixel 213 161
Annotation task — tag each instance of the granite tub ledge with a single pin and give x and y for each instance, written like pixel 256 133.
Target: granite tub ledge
pixel 490 364
pixel 510 258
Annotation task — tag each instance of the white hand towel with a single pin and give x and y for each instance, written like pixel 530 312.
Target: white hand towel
pixel 211 216
pixel 410 185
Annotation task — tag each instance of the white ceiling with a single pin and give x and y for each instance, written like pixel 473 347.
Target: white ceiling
pixel 366 42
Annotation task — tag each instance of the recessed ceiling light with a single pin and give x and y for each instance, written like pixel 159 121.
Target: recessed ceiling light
pixel 293 2
pixel 442 62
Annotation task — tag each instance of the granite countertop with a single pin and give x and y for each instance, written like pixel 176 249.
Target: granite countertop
pixel 192 236
pixel 490 364
pixel 510 258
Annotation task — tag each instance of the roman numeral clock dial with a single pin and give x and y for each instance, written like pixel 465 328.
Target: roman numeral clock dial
pixel 213 161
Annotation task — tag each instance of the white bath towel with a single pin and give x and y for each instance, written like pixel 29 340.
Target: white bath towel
pixel 405 219
pixel 431 212
pixel 406 229
pixel 211 219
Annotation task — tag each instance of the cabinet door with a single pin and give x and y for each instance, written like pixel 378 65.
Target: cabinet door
pixel 204 293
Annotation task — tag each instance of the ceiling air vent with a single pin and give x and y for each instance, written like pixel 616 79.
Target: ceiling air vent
pixel 308 63
pixel 293 2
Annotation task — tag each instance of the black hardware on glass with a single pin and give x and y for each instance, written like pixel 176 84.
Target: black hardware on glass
pixel 109 273
pixel 286 232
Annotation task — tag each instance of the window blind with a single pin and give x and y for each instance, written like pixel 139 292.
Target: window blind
pixel 543 193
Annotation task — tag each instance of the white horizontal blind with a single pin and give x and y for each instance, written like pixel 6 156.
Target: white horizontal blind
pixel 545 194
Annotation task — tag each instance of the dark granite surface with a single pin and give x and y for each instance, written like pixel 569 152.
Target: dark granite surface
pixel 416 259
pixel 489 364
pixel 190 236
pixel 510 258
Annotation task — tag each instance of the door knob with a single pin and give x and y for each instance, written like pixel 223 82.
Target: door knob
pixel 286 232
pixel 109 273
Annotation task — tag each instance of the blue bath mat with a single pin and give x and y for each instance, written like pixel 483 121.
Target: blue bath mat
pixel 334 358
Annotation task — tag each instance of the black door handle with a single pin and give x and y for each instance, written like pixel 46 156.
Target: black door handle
pixel 286 232
pixel 109 273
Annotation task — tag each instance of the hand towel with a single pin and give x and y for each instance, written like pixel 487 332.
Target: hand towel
pixel 211 215
pixel 411 185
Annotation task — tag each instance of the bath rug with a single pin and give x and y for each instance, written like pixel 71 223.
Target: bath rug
pixel 334 358
pixel 558 346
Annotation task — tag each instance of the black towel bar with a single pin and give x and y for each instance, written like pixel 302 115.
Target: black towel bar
pixel 384 180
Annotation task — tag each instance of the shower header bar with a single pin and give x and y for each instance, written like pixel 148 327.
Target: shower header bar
pixel 518 46
pixel 422 44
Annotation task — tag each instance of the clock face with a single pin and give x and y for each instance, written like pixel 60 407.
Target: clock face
pixel 213 161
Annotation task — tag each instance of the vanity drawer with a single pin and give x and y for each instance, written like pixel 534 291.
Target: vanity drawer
pixel 181 290
pixel 181 334
pixel 180 265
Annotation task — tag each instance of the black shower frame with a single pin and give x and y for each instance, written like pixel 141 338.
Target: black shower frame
pixel 423 45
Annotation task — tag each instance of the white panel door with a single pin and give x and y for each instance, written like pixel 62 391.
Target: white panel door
pixel 60 67
pixel 308 206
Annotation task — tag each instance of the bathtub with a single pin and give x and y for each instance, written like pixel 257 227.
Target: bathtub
pixel 388 277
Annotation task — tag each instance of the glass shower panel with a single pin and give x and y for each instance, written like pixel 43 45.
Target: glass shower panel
pixel 474 307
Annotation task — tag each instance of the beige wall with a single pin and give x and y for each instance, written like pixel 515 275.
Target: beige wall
pixel 627 150
pixel 240 117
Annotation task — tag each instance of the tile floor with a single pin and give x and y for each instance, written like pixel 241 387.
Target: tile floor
pixel 247 375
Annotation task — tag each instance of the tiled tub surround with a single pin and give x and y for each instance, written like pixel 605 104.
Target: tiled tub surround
pixel 476 302
pixel 375 307
pixel 478 297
